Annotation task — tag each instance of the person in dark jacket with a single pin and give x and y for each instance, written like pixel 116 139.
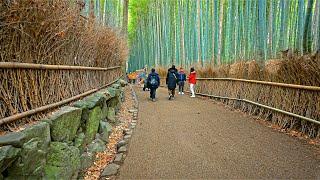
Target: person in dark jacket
pixel 181 80
pixel 171 81
pixel 153 81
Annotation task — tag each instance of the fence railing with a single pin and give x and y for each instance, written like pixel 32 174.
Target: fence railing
pixel 28 89
pixel 285 104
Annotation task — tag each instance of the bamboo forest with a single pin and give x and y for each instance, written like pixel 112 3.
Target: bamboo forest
pixel 186 32
pixel 159 89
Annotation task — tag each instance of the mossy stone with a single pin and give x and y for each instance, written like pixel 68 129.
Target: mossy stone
pixel 65 124
pixel 106 93
pixel 116 86
pixel 111 116
pixel 79 140
pixel 31 161
pixel 96 146
pixel 105 130
pixel 91 101
pixel 40 130
pixel 86 160
pixel 92 124
pixel 112 92
pixel 122 82
pixel 114 102
pixel 15 139
pixel 63 161
pixel 8 154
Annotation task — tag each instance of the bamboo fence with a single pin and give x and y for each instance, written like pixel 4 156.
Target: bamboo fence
pixel 296 99
pixel 26 87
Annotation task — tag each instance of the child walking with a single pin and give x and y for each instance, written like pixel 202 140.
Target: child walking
pixel 192 81
pixel 181 80
pixel 153 81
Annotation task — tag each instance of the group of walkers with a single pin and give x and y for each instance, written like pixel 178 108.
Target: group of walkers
pixel 174 78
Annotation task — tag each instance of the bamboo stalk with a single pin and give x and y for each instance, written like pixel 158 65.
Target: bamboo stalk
pixel 15 65
pixel 50 106
pixel 295 86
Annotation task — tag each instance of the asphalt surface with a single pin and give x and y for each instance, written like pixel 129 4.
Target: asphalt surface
pixel 193 138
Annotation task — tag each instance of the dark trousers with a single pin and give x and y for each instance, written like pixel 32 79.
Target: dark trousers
pixel 171 92
pixel 181 86
pixel 153 93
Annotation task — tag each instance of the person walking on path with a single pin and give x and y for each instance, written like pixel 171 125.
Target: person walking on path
pixel 181 80
pixel 171 81
pixel 192 81
pixel 153 83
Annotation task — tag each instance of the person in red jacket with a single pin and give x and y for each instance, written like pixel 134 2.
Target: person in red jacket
pixel 192 81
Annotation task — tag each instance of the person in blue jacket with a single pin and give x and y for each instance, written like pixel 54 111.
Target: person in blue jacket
pixel 181 79
pixel 153 81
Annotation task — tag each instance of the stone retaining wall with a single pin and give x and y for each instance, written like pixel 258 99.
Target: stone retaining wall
pixel 63 145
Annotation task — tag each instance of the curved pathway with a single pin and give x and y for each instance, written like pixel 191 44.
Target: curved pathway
pixel 195 138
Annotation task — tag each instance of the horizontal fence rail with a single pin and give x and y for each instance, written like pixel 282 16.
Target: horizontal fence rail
pixel 295 86
pixel 308 89
pixel 15 65
pixel 311 88
pixel 51 106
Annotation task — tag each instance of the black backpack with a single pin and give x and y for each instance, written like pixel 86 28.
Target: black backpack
pixel 153 81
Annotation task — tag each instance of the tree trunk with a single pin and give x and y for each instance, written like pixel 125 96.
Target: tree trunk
pixel 199 32
pixel 125 17
pixel 220 32
pixel 307 39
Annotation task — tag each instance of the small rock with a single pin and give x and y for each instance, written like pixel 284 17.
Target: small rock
pixel 129 132
pixel 118 158
pixel 132 110
pixel 121 143
pixel 122 149
pixel 132 127
pixel 111 169
pixel 134 121
pixel 96 146
pixel 127 137
pixel 133 124
pixel 126 130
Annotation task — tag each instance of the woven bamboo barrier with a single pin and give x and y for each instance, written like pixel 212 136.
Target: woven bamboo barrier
pixel 300 100
pixel 15 65
pixel 50 52
pixel 50 106
pixel 295 86
pixel 23 90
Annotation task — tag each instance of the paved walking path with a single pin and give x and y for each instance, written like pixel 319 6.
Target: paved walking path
pixel 196 138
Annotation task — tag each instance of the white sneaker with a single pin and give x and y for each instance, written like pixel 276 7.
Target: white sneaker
pixel 193 96
pixel 182 93
pixel 179 93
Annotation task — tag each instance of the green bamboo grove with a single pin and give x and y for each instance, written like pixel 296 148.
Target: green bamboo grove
pixel 106 12
pixel 185 32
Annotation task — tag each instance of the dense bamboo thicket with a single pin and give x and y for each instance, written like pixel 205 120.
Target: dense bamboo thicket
pixel 184 32
pixel 107 12
pixel 53 32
